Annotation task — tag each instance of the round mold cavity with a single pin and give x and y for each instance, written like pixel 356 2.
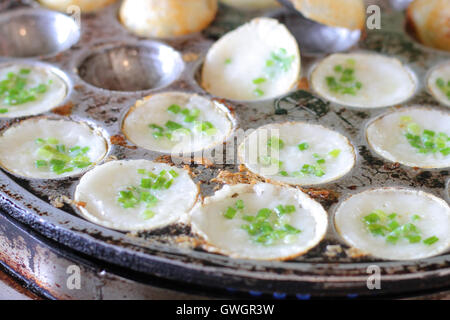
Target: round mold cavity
pixel 132 67
pixel 29 33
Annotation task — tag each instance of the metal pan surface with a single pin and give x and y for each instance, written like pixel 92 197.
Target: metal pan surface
pixel 103 98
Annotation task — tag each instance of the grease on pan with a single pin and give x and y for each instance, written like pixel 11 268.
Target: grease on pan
pixel 438 83
pixel 297 153
pixel 395 223
pixel 167 18
pixel 133 195
pixel 348 14
pixel 40 90
pixel 259 60
pixel 49 148
pixel 294 223
pixel 251 4
pixel 416 137
pixel 84 5
pixel 363 80
pixel 428 20
pixel 177 122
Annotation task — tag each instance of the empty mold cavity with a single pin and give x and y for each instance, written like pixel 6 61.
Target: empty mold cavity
pixel 35 32
pixel 149 65
pixel 316 38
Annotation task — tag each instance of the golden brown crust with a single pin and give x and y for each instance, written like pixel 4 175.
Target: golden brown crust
pixel 174 18
pixel 120 140
pixel 348 14
pixel 207 163
pixel 85 6
pixel 64 110
pixel 233 178
pixel 429 22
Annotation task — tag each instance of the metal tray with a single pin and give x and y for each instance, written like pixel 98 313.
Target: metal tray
pixel 170 253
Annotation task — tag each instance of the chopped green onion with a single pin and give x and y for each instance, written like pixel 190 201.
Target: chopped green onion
pixel 394 215
pixel 41 163
pixel 312 170
pixel 258 92
pixel 52 141
pixel 378 223
pixel 58 158
pixel 427 141
pixel 14 90
pixel 25 71
pixel 230 213
pixel 346 83
pixel 146 183
pixel 303 146
pixel 444 87
pixel 173 173
pixel 239 204
pixel 335 153
pixel 148 214
pixel 372 218
pixel 431 240
pixel 259 80
pixel 275 143
pixel 413 238
pixel 174 108
pixel 134 196
pixel 284 173
pixel 290 229
pixel 168 184
pixel 268 226
pixel 171 125
pixel 264 213
pixel 406 119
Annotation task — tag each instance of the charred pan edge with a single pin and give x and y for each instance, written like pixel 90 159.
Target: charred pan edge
pixel 325 278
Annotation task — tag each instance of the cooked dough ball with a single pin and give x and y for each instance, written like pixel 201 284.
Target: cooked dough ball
pixel 438 82
pixel 230 222
pixel 413 136
pixel 53 90
pixel 177 122
pixel 43 148
pixel 134 195
pixel 363 80
pixel 167 18
pixel 259 60
pixel 395 223
pixel 84 5
pixel 348 14
pixel 429 20
pixel 297 153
